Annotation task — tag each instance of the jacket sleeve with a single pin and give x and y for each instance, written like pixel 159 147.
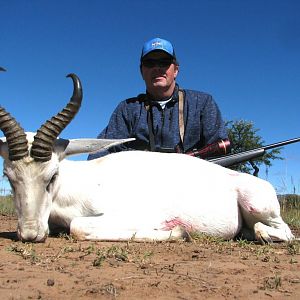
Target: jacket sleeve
pixel 119 127
pixel 213 125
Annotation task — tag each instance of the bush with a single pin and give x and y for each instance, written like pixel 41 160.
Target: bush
pixel 289 201
pixel 7 205
pixel 290 209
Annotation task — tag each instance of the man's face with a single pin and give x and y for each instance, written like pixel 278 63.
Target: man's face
pixel 159 72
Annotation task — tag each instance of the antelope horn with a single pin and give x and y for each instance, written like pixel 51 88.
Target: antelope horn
pixel 14 133
pixel 42 145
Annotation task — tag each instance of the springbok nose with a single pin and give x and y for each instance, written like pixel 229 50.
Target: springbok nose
pixel 28 231
pixel 27 236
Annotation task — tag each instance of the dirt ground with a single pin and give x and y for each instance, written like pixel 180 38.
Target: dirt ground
pixel 62 268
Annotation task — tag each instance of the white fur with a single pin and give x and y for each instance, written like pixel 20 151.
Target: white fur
pixel 139 195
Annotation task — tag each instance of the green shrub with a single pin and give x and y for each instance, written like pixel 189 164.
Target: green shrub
pixel 290 209
pixel 6 205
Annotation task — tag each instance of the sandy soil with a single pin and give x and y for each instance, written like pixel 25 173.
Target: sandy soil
pixel 62 268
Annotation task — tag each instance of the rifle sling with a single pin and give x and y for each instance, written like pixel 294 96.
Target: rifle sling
pixel 180 115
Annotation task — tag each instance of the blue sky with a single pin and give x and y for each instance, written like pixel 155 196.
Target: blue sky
pixel 244 53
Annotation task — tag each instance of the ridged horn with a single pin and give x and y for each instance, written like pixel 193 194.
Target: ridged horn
pixel 14 133
pixel 42 145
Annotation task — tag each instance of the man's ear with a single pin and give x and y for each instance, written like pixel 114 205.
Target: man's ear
pixel 141 70
pixel 176 71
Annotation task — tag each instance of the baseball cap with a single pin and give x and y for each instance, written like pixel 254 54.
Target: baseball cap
pixel 158 44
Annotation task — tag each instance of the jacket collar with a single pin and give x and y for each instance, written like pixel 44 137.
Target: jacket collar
pixel 174 99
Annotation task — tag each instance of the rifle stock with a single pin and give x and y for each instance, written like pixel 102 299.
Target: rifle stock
pixel 233 159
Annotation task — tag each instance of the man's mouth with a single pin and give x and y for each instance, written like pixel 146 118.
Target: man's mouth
pixel 157 77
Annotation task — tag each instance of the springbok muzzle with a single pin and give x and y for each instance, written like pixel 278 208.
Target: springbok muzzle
pixel 30 231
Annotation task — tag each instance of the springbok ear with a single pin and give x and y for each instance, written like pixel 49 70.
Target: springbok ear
pixel 80 146
pixel 3 148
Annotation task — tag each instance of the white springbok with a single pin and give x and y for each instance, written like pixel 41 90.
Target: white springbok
pixel 129 195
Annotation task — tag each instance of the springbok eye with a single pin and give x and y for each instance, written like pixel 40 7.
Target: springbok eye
pixel 51 182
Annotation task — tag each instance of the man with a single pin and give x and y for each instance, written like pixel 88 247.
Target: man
pixel 166 118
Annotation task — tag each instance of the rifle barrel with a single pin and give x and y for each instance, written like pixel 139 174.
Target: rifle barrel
pixel 280 144
pixel 233 159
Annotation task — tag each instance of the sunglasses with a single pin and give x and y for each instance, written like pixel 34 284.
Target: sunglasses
pixel 162 63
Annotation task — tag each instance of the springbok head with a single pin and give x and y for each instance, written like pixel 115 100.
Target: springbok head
pixel 31 163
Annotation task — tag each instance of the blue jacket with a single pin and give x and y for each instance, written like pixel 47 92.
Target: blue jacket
pixel 202 118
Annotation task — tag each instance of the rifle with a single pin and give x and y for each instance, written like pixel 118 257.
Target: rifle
pixel 233 159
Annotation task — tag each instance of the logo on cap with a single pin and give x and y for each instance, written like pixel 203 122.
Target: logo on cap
pixel 156 44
